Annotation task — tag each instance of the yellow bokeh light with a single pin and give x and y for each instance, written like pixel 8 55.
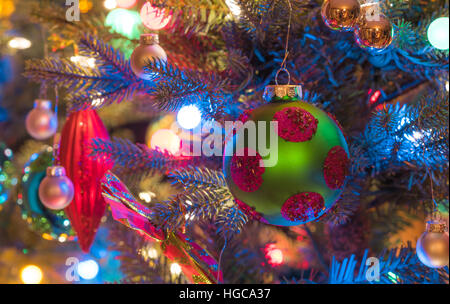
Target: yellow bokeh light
pixel 85 6
pixel 31 274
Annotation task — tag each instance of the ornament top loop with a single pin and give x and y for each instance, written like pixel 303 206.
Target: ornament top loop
pixel 149 39
pixel 56 171
pixel 283 70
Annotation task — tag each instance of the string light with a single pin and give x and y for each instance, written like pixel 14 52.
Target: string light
pixel 147 196
pixel 110 4
pixel 189 117
pixel 87 62
pixel 125 3
pixel 175 269
pixel 438 33
pixel 166 140
pixel 274 255
pixel 19 43
pixel 31 274
pixel 125 22
pixel 88 269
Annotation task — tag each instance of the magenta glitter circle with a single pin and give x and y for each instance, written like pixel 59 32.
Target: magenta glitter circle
pixel 302 207
pixel 246 171
pixel 335 167
pixel 295 124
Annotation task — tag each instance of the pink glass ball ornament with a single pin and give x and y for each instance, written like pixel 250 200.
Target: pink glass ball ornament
pixel 41 122
pixel 56 189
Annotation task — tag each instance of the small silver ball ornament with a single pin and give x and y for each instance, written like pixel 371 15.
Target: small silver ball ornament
pixel 56 189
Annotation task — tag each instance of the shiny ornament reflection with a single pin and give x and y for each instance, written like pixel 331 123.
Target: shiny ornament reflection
pixel 340 15
pixel 374 35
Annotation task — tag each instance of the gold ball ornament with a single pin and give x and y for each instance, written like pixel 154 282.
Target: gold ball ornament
pixel 374 34
pixel 41 122
pixel 148 49
pixel 432 246
pixel 340 15
pixel 56 189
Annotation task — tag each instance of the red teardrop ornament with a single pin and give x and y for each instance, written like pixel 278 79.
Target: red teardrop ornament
pixel 85 171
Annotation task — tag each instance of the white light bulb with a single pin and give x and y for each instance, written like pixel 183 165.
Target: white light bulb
pixel 19 43
pixel 88 269
pixel 31 274
pixel 110 4
pixel 189 117
pixel 175 269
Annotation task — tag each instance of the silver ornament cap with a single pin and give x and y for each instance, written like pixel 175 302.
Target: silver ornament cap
pixel 56 190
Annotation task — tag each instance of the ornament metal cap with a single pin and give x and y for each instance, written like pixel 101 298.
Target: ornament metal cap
pixel 56 171
pixel 43 104
pixel 282 91
pixel 149 39
pixel 434 226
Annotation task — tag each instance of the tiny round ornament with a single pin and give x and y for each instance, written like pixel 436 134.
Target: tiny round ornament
pixel 41 122
pixel 147 50
pixel 374 34
pixel 50 224
pixel 340 15
pixel 56 189
pixel 290 174
pixel 432 246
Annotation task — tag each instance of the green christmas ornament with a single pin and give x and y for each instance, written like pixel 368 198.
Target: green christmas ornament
pixel 7 180
pixel 312 162
pixel 50 224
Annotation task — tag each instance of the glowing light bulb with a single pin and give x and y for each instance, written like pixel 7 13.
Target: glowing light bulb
pixel 88 269
pixel 175 269
pixel 438 33
pixel 274 255
pixel 154 18
pixel 446 86
pixel 234 8
pixel 189 117
pixel 31 274
pixel 152 253
pixel 166 140
pixel 87 62
pixel 19 43
pixel 125 22
pixel 110 4
pixel 147 196
pixel 125 3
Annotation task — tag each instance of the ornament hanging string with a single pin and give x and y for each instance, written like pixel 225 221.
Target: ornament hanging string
pixel 283 67
pixel 56 136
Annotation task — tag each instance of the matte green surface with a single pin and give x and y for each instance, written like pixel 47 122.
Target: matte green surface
pixel 299 167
